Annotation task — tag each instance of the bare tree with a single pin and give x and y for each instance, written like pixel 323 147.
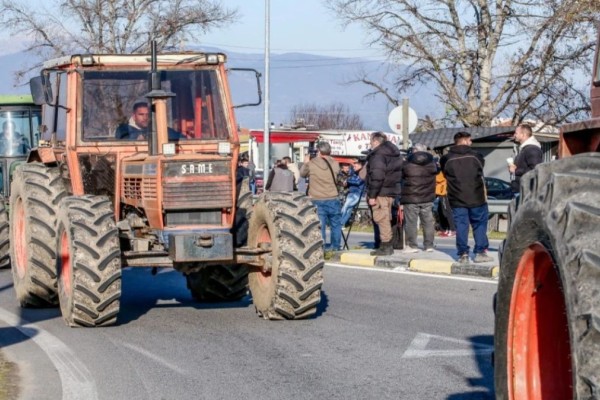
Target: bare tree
pixel 64 27
pixel 512 58
pixel 333 116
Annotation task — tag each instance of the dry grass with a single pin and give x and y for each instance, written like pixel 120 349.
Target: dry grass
pixel 9 379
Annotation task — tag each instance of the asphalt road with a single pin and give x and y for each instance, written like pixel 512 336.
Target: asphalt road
pixel 378 335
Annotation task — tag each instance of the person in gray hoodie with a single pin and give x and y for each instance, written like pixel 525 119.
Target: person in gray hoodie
pixel 322 189
pixel 529 155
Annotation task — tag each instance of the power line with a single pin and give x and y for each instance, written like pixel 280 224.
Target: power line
pixel 286 49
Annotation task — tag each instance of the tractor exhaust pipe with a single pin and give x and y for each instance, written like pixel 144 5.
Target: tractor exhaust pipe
pixel 158 100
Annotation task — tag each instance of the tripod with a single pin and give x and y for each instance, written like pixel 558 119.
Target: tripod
pixel 352 217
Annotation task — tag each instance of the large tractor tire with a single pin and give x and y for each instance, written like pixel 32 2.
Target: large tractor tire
pixel 287 223
pixel 4 237
pixel 89 261
pixel 219 283
pixel 547 330
pixel 36 192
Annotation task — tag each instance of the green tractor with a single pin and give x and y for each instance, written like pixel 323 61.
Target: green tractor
pixel 19 120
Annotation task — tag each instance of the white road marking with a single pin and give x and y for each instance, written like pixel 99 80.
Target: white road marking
pixel 402 270
pixel 154 357
pixel 76 380
pixel 418 347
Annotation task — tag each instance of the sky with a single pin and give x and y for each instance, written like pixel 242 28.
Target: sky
pixel 304 26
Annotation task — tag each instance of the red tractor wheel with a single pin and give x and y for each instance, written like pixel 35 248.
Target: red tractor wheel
pixel 290 285
pixel 547 331
pixel 35 193
pixel 89 262
pixel 4 237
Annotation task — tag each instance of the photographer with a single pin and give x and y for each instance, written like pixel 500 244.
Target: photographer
pixel 322 171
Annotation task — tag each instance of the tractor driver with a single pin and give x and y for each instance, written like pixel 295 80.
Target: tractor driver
pixel 137 126
pixel 12 143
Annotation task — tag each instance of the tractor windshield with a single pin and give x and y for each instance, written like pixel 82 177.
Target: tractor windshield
pixel 19 131
pixel 115 106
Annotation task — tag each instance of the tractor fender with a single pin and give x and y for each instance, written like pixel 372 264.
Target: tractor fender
pixel 43 155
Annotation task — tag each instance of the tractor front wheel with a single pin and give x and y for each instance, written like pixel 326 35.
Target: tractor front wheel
pixel 289 287
pixel 89 262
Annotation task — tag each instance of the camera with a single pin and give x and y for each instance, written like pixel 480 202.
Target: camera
pixel 312 153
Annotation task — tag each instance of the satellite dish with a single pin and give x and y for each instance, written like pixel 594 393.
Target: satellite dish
pixel 396 123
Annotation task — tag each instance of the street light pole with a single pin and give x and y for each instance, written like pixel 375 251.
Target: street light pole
pixel 266 132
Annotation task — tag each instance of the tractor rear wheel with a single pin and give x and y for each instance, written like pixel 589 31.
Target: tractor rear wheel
pixel 4 237
pixel 36 192
pixel 89 261
pixel 290 286
pixel 547 330
pixel 219 283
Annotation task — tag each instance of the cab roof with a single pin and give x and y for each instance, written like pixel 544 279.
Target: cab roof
pixel 135 59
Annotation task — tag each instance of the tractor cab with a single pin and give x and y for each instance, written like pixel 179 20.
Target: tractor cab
pixel 19 123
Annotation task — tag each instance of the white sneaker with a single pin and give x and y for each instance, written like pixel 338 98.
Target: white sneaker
pixel 429 249
pixel 409 249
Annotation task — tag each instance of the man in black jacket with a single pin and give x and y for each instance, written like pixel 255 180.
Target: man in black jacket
pixel 463 168
pixel 529 155
pixel 384 180
pixel 418 193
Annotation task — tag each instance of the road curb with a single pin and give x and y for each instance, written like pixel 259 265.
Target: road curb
pixel 431 266
pixel 423 265
pixel 363 260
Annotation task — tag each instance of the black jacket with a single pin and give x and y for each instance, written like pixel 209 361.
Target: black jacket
pixel 529 156
pixel 463 168
pixel 418 174
pixel 384 171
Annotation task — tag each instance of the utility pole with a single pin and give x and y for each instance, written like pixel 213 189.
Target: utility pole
pixel 266 132
pixel 405 124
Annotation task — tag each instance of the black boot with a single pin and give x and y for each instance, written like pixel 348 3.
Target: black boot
pixel 385 249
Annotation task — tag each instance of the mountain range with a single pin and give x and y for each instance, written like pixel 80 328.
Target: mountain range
pixel 295 79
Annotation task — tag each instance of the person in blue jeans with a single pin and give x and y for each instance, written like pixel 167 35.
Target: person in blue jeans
pixel 356 186
pixel 463 169
pixel 322 171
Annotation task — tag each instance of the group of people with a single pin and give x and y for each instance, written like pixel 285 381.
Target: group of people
pixel 413 182
pixel 458 180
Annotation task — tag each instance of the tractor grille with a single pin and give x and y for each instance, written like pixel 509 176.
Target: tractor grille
pixel 197 195
pixel 149 188
pixel 132 188
pixel 204 217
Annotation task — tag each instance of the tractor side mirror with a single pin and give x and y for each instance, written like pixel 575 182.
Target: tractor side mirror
pixel 40 90
pixel 258 88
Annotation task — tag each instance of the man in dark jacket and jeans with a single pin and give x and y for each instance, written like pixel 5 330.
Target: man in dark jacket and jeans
pixel 418 193
pixel 463 168
pixel 384 180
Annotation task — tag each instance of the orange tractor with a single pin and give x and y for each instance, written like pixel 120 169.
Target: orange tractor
pixel 547 330
pixel 138 169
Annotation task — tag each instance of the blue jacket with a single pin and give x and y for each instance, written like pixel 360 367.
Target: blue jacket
pixel 355 184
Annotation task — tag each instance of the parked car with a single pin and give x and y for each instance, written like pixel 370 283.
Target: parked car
pixel 497 189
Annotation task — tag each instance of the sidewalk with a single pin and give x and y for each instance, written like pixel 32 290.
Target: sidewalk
pixel 437 262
